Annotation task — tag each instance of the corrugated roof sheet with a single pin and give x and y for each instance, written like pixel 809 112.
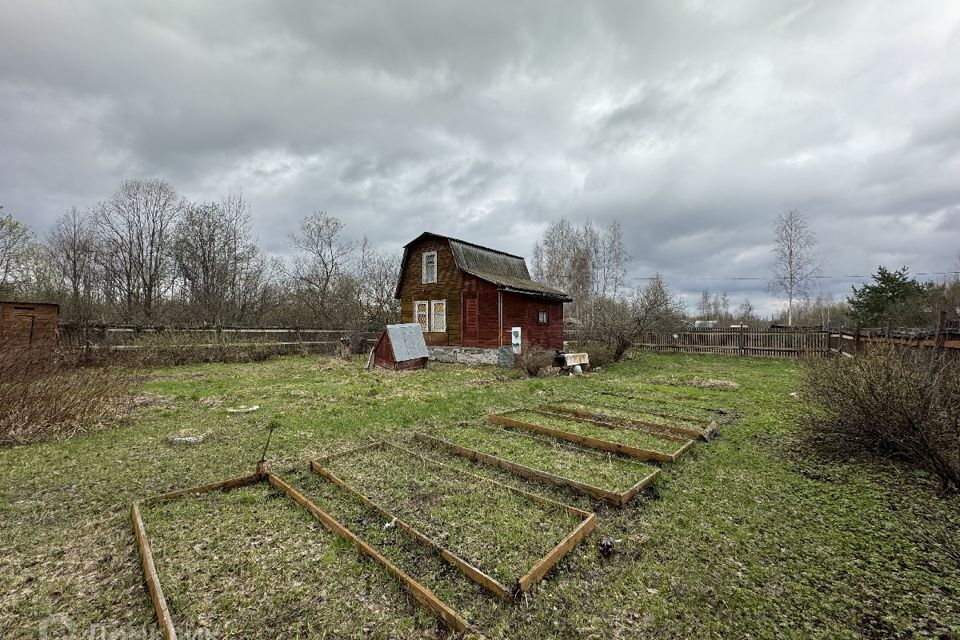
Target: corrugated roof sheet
pixel 477 259
pixel 407 341
pixel 520 285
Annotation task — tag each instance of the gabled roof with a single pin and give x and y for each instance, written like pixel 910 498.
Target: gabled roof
pixel 507 271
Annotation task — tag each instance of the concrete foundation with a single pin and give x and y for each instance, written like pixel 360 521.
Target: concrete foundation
pixel 463 355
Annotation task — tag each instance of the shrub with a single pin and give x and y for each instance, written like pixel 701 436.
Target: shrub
pixel 533 359
pixel 44 396
pixel 601 354
pixel 889 401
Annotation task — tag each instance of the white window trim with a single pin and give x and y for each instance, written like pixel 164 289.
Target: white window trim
pixel 416 313
pixel 423 267
pixel 434 325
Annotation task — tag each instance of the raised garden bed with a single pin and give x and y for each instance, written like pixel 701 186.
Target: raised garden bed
pixel 635 417
pixel 586 471
pixel 633 442
pixel 167 628
pixel 503 538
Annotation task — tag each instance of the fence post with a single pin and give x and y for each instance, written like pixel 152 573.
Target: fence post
pixel 741 340
pixel 856 338
pixel 938 343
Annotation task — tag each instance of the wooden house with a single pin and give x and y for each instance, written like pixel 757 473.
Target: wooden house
pixel 28 324
pixel 466 295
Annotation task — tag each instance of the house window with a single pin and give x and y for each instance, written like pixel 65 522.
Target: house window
pixel 438 315
pixel 543 317
pixel 421 314
pixel 429 267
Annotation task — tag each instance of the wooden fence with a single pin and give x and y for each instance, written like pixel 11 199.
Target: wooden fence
pixel 282 339
pixel 775 343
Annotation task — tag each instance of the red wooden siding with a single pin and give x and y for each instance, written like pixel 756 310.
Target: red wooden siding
pixel 523 311
pixel 447 287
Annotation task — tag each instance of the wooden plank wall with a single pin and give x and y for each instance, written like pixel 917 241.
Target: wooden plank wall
pixel 447 287
pixel 747 342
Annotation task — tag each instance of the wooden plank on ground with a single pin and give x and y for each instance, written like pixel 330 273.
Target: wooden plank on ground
pixel 540 569
pixel 667 432
pixel 603 445
pixel 543 566
pixel 469 570
pixel 614 497
pixel 164 618
pixel 421 594
pixel 232 483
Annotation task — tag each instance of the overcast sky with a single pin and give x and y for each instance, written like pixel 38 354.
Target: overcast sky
pixel 693 124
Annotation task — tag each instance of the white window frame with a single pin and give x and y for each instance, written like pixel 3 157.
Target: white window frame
pixel 435 326
pixel 425 325
pixel 543 313
pixel 423 267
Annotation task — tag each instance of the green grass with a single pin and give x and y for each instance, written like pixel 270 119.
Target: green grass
pixel 613 433
pixel 749 536
pixel 559 458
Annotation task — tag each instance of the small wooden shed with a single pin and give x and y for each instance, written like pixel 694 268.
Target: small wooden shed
pixel 28 324
pixel 401 346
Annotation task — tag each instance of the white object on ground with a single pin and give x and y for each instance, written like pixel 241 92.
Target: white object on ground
pixel 244 409
pixel 186 439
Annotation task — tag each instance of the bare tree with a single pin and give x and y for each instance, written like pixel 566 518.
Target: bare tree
pixel 222 269
pixel 322 258
pixel 16 245
pixel 704 307
pixel 135 230
pixel 377 275
pixel 71 252
pixel 745 311
pixel 795 262
pixel 657 308
pixel 587 263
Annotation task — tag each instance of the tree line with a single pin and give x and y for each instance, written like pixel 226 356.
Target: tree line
pixel 148 256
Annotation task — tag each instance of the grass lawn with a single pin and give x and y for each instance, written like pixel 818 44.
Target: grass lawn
pixel 749 535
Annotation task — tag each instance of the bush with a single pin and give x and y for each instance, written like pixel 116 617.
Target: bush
pixel 44 396
pixel 889 401
pixel 533 359
pixel 601 354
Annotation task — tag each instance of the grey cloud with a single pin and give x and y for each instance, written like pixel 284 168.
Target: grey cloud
pixel 694 124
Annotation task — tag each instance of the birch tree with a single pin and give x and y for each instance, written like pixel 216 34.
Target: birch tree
pixel 795 261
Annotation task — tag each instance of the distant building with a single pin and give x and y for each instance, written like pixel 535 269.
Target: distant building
pixel 466 295
pixel 28 324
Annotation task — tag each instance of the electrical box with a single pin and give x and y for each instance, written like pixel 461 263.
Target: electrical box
pixel 515 339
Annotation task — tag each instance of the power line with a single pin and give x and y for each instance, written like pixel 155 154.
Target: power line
pixel 702 277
